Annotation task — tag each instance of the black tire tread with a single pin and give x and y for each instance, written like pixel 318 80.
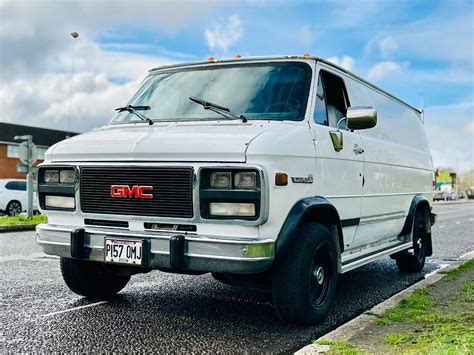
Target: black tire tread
pixel 410 263
pixel 91 279
pixel 289 300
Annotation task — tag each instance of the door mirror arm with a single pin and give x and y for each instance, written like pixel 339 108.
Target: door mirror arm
pixel 337 137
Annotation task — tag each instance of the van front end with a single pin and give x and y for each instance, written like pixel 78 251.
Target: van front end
pixel 193 218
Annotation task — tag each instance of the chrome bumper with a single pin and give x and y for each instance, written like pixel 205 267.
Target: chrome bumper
pixel 195 252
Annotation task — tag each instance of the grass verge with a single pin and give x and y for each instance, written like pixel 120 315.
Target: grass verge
pixel 22 220
pixel 438 319
pixel 435 320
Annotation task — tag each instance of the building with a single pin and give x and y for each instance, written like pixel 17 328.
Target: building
pixel 43 138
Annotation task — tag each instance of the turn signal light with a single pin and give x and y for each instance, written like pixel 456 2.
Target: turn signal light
pixel 281 179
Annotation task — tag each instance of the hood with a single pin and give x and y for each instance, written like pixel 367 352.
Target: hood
pixel 186 141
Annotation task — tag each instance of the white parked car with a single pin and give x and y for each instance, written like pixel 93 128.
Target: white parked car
pixel 13 197
pixel 274 172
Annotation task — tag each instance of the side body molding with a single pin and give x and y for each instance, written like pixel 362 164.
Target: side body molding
pixel 419 202
pixel 316 209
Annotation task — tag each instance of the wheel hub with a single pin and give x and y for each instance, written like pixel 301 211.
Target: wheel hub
pixel 419 243
pixel 318 274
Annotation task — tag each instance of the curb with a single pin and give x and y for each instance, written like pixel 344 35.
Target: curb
pixel 18 228
pixel 360 323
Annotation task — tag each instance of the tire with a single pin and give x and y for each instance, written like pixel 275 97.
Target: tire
pixel 304 281
pixel 91 279
pixel 416 261
pixel 13 208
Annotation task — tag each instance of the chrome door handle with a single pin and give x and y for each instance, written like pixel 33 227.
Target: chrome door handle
pixel 358 150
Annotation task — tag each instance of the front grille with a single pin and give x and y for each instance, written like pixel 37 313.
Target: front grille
pixel 172 191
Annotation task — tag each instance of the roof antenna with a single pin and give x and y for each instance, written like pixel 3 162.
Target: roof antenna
pixel 422 109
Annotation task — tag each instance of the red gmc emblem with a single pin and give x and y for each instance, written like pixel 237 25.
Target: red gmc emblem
pixel 126 191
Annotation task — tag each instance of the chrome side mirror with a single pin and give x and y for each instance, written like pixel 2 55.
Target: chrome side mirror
pixel 361 117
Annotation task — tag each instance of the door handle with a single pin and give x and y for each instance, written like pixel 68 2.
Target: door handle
pixel 358 150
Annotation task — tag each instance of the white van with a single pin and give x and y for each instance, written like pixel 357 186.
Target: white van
pixel 276 172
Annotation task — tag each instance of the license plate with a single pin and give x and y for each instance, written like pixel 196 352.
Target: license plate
pixel 123 251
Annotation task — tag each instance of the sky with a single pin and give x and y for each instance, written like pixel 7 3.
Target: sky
pixel 420 51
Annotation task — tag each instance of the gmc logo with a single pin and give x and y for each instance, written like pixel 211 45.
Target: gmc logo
pixel 126 191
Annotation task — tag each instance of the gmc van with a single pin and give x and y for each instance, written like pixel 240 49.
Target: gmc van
pixel 275 172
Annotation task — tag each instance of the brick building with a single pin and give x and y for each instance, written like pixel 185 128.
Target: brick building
pixel 43 138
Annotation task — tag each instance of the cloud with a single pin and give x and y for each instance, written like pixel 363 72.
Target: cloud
pixel 445 34
pixel 223 36
pixel 450 132
pixel 306 35
pixel 388 46
pixel 384 69
pixel 56 101
pixel 346 62
pixel 35 34
pixel 49 79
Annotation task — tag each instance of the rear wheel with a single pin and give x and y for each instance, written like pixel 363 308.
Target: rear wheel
pixel 414 259
pixel 91 279
pixel 14 208
pixel 304 281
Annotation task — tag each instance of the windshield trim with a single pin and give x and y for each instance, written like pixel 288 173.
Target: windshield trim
pixel 302 64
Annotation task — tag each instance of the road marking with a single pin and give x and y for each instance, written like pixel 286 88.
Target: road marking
pixel 75 308
pixel 444 212
pixel 441 226
pixel 457 222
pixel 471 219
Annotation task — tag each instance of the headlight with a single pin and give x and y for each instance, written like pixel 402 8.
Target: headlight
pixel 232 209
pixel 221 180
pixel 245 180
pixel 60 202
pixel 67 176
pixel 51 176
pixel 230 193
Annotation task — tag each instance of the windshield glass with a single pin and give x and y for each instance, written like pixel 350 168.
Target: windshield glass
pixel 270 91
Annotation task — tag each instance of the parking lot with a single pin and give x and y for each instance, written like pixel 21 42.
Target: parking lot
pixel 162 312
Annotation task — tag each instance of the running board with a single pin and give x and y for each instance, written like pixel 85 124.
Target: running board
pixel 353 264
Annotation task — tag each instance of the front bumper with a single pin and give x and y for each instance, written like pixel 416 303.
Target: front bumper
pixel 165 250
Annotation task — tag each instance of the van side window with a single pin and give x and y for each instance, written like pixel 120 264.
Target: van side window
pixel 337 100
pixel 320 113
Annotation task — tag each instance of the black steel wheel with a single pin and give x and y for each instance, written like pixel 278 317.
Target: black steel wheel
pixel 414 259
pixel 14 208
pixel 304 280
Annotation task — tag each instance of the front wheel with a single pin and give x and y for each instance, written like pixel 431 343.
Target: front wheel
pixel 304 281
pixel 91 279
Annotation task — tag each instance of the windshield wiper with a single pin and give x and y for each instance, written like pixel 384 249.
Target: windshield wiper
pixel 224 111
pixel 133 109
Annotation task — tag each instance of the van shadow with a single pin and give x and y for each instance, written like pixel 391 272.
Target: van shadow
pixel 199 313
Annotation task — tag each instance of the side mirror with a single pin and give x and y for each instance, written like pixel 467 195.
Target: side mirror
pixel 361 117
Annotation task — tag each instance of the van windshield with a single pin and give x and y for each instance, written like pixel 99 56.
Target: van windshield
pixel 269 91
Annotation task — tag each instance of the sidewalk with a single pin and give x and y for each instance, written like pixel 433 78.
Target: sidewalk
pixel 434 316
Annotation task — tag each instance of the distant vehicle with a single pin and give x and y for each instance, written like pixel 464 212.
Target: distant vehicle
pixel 439 195
pixel 453 196
pixel 13 197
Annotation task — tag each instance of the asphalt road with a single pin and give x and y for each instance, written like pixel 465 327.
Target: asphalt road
pixel 160 312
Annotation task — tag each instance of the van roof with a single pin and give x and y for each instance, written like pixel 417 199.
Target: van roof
pixel 283 57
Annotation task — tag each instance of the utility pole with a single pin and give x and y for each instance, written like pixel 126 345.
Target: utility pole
pixel 27 154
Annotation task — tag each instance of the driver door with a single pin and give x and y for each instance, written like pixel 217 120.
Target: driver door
pixel 339 172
